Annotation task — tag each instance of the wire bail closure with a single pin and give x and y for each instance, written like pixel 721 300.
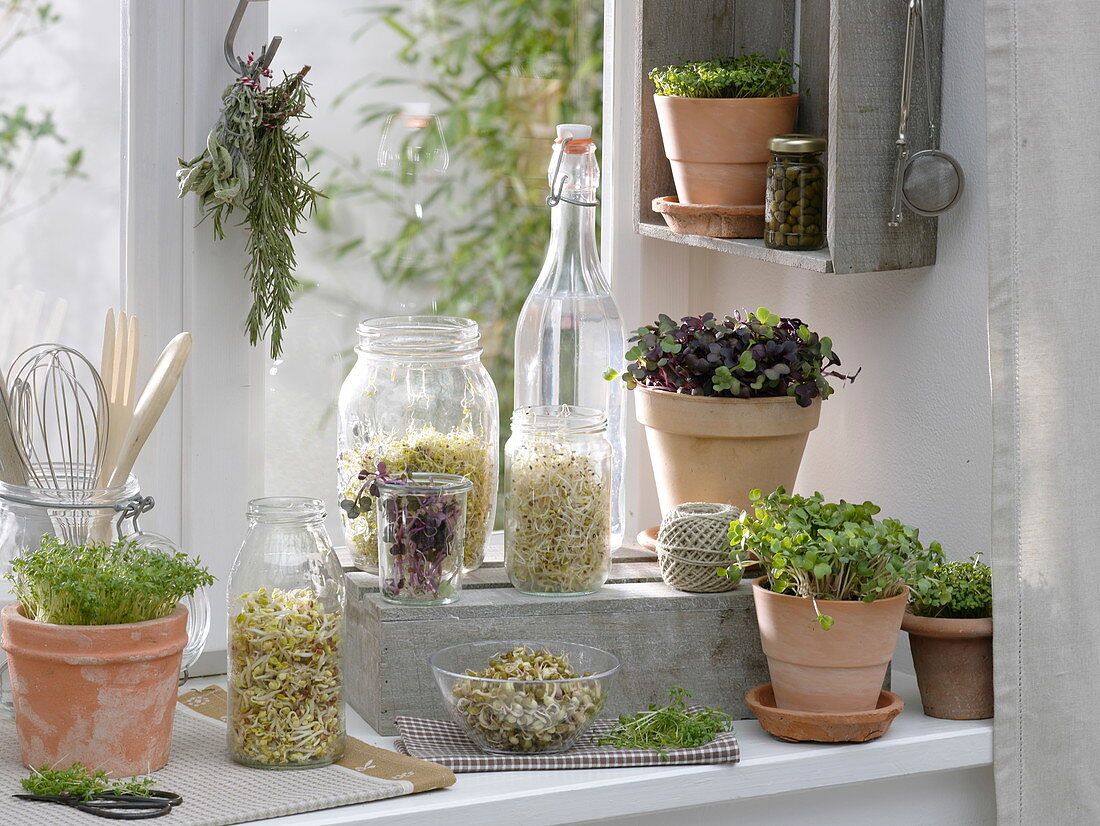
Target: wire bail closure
pixel 556 197
pixel 131 509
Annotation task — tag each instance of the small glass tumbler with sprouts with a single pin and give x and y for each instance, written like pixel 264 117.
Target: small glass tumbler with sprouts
pixel 286 628
pixel 421 535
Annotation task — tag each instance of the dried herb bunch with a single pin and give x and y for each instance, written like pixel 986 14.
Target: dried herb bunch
pixel 747 355
pixel 426 450
pixel 253 162
pixel 511 708
pixel 286 703
pixel 558 525
pixel 97 584
pixel 422 531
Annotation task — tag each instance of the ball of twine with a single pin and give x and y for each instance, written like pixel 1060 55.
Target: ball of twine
pixel 693 543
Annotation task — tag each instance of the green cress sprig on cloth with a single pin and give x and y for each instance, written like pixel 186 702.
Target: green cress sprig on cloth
pixel 76 781
pixel 253 162
pixel 674 726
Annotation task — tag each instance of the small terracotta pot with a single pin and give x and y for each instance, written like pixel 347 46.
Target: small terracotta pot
pixel 953 659
pixel 718 147
pixel 707 449
pixel 841 669
pixel 101 695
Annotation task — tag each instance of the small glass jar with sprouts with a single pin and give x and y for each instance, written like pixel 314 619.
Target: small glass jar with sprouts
pixel 557 520
pixel 286 625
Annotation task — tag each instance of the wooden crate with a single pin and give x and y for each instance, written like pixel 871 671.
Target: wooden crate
pixel 850 55
pixel 707 643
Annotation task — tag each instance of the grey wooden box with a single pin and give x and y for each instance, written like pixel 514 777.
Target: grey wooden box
pixel 850 56
pixel 707 643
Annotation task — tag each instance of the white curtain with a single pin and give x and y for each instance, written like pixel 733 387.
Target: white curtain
pixel 1043 108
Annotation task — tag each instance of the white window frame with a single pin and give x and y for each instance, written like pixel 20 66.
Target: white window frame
pixel 205 460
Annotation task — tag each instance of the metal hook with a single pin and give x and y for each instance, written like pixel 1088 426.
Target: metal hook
pixel 267 53
pixel 555 197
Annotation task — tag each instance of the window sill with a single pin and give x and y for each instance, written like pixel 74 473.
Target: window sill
pixel 914 745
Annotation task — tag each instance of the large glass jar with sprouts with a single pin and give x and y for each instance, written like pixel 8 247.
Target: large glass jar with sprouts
pixel 558 504
pixel 418 400
pixel 286 624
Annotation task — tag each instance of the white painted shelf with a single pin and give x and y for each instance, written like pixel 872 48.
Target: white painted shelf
pixel 914 746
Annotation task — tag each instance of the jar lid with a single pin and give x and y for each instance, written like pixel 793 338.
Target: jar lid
pixel 795 144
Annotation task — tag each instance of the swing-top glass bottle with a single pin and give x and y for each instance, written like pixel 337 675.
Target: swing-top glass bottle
pixel 570 330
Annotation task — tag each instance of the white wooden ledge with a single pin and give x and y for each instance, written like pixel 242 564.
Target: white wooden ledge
pixel 927 771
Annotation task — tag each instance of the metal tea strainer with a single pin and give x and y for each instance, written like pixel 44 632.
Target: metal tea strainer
pixel 928 182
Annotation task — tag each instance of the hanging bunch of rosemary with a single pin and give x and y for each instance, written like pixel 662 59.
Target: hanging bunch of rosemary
pixel 253 162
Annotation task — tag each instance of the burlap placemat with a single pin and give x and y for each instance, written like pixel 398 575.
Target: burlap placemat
pixel 218 792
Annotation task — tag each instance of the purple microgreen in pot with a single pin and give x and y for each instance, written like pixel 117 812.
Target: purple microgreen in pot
pixel 746 355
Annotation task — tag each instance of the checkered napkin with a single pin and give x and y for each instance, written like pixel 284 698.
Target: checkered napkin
pixel 445 743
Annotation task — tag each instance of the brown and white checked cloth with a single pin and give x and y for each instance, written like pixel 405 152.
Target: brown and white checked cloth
pixel 445 743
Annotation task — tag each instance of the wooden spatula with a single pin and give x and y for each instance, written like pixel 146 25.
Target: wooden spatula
pixel 119 373
pixel 154 398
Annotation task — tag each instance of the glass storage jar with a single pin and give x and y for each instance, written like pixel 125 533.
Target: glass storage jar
pixel 421 535
pixel 794 208
pixel 557 511
pixel 77 512
pixel 286 624
pixel 419 400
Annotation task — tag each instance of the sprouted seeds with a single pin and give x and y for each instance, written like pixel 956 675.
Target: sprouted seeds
pixel 427 450
pixel 286 705
pixel 558 519
pixel 525 714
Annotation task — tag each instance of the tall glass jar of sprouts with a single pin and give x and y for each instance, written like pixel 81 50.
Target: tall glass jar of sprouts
pixel 286 625
pixel 419 400
pixel 558 503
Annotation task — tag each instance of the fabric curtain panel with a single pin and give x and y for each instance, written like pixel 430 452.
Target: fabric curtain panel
pixel 1043 108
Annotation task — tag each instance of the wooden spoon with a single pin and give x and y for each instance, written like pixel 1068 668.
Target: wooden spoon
pixel 11 464
pixel 154 398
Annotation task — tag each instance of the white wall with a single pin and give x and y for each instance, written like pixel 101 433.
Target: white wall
pixel 913 433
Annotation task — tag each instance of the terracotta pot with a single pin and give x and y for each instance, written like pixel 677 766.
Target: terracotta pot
pixel 101 695
pixel 841 669
pixel 718 147
pixel 954 663
pixel 707 449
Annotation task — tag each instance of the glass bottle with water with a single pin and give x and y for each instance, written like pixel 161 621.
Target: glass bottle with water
pixel 569 330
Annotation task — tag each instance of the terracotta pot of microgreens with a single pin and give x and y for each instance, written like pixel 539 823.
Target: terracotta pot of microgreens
pixel 94 647
pixel 830 604
pixel 951 638
pixel 714 432
pixel 716 117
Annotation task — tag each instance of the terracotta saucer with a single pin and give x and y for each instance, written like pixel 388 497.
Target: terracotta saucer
pixel 713 220
pixel 648 538
pixel 823 727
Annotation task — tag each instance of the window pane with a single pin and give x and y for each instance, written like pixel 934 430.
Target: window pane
pixel 467 241
pixel 60 129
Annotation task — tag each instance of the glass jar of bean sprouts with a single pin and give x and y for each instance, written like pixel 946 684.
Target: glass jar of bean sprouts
pixel 286 625
pixel 557 512
pixel 418 400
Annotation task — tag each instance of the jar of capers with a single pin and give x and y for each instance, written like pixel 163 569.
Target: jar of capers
pixel 794 211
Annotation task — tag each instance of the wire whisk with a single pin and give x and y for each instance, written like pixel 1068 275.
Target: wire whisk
pixel 59 416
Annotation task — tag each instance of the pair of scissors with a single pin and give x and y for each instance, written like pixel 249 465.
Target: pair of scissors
pixel 114 806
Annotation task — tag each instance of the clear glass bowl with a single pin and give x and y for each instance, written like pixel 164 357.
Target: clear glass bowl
pixel 507 716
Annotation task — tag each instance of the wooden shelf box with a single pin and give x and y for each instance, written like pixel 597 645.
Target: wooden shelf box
pixel 850 55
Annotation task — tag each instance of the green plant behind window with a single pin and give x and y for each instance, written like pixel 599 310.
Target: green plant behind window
pixel 969 591
pixel 97 584
pixel 500 74
pixel 24 134
pixel 748 76
pixel 833 550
